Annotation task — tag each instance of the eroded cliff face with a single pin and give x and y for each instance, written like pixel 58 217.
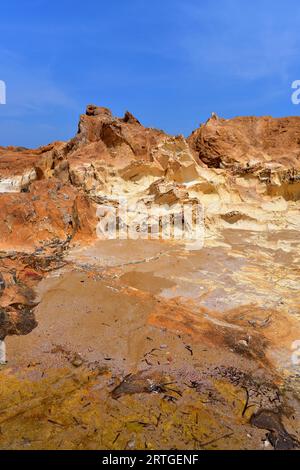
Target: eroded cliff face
pixel 93 324
pixel 247 143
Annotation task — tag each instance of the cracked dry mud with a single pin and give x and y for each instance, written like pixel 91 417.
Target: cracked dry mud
pixel 147 344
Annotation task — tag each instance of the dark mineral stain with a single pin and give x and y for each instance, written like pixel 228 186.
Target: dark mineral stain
pixel 2 284
pixel 17 319
pixel 278 436
pixel 140 383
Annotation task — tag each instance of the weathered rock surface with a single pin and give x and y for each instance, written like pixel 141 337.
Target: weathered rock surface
pixel 247 143
pixel 151 343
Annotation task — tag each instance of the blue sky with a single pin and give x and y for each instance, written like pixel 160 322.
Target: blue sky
pixel 170 62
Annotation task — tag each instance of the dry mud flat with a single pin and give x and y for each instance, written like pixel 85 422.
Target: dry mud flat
pixel 147 345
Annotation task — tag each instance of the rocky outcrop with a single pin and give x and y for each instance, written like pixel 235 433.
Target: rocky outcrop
pixel 48 211
pixel 246 144
pixel 244 171
pixel 219 319
pixel 115 141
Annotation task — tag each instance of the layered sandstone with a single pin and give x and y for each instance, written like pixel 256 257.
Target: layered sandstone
pixel 220 319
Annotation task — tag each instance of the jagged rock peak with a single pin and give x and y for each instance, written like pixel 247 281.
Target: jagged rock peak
pixel 93 110
pixel 130 118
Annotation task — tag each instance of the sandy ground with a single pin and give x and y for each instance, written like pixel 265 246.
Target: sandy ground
pixel 171 348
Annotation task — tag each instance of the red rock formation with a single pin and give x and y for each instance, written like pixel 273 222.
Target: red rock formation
pixel 49 210
pixel 226 312
pixel 248 142
pixel 115 141
pixel 45 192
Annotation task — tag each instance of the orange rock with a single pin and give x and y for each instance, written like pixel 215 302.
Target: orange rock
pixel 248 143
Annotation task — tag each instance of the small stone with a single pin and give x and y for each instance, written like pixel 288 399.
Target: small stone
pixel 77 361
pixel 267 443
